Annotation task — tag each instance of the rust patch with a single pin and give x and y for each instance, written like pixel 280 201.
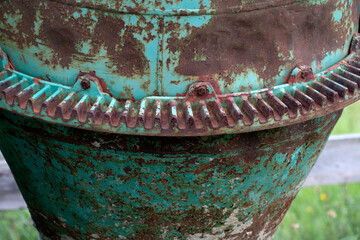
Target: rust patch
pixel 232 156
pixel 175 82
pixel 62 40
pixel 23 58
pixel 65 35
pixel 145 85
pixel 230 43
pixel 36 80
pixel 249 5
pixel 126 52
pixel 304 74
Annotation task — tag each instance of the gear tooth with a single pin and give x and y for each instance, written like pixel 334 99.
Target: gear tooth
pixel 173 114
pixel 149 115
pixel 6 84
pixel 340 89
pixel 234 110
pixel 64 109
pixel 351 76
pixel 206 118
pixel 80 111
pixel 220 113
pixel 250 111
pixel 318 97
pixel 293 105
pixel 24 95
pixel 125 114
pixel 352 86
pixel 164 117
pixel 352 69
pixel 51 103
pixel 157 116
pixel 142 111
pixel 112 114
pixel 10 92
pixel 354 63
pixel 307 102
pixel 264 108
pixel 278 106
pixel 95 112
pixel 189 115
pixel 331 95
pixel 37 99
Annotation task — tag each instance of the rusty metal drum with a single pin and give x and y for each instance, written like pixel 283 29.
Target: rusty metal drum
pixel 170 120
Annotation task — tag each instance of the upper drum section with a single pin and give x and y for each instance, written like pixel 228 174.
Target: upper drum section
pixel 153 47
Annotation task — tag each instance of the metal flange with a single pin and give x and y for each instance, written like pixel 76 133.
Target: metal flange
pixel 200 112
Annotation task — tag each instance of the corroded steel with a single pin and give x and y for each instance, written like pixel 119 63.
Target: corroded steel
pixel 200 112
pixel 232 102
pixel 159 48
pixel 90 185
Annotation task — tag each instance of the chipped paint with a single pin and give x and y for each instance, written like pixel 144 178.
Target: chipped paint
pixel 243 94
pixel 176 46
pixel 157 188
pixel 337 15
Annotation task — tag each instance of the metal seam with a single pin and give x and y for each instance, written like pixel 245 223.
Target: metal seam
pixel 260 109
pixel 182 12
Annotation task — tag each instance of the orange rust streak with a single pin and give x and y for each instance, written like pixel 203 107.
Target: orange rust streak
pixel 36 80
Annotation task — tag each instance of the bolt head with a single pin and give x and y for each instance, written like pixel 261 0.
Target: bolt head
pixel 85 84
pixel 304 75
pixel 201 91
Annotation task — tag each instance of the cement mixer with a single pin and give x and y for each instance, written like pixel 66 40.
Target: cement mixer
pixel 170 120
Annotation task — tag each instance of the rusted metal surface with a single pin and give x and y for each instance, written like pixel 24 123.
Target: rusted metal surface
pixel 201 112
pixel 164 69
pixel 326 171
pixel 92 185
pixel 184 68
pixel 160 48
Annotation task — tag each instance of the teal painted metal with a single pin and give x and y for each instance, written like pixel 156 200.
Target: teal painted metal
pixel 286 104
pixel 253 92
pixel 90 185
pixel 160 48
pixel 170 120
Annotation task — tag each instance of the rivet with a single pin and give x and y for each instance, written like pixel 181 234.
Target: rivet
pixel 201 91
pixel 85 84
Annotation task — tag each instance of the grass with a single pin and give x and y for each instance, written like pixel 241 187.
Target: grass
pixel 17 225
pixel 323 213
pixel 349 122
pixel 326 212
pixel 317 213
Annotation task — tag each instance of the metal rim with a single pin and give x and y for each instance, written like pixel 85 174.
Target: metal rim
pixel 200 112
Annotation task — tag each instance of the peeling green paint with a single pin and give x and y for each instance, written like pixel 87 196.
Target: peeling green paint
pixel 337 15
pixel 221 188
pixel 117 83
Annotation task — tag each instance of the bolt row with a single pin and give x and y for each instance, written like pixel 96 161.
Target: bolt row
pixel 226 111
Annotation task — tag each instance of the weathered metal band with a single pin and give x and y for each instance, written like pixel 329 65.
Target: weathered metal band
pixel 177 9
pixel 200 112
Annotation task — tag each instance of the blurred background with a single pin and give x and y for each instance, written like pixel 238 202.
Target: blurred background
pixel 319 212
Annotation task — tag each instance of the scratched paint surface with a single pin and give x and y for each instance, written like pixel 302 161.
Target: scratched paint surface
pixel 153 48
pixel 107 186
pixel 98 185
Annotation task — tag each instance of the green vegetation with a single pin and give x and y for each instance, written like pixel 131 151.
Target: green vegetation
pixel 349 122
pixel 326 212
pixel 17 225
pixel 317 213
pixel 323 213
